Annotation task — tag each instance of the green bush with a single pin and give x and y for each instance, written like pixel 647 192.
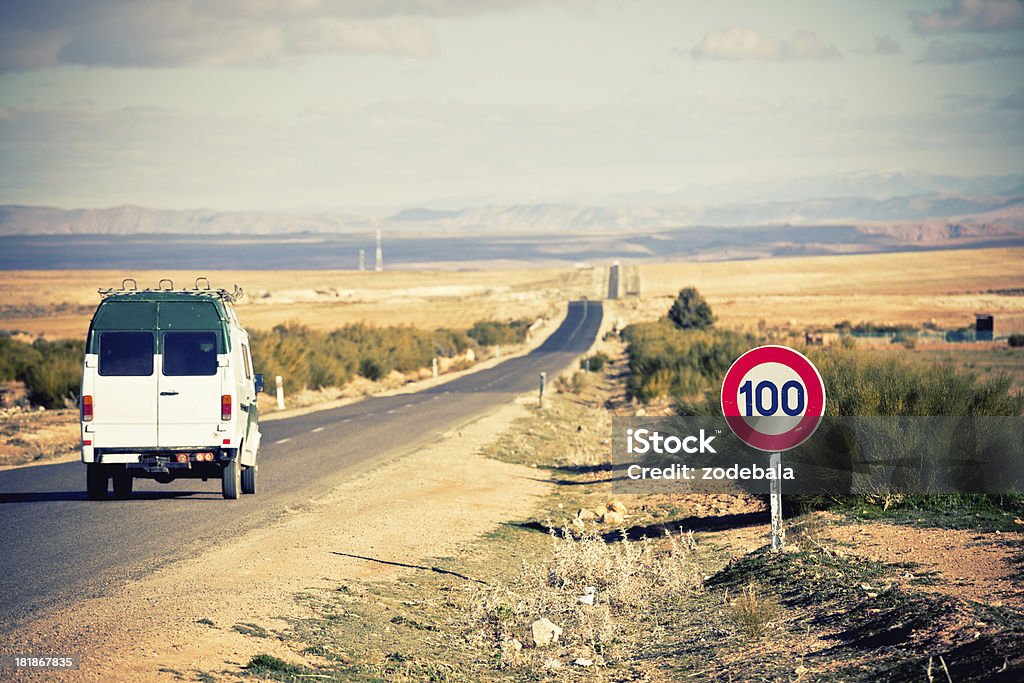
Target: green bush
pixel 595 362
pixel 667 361
pixel 690 311
pixel 867 383
pixel 312 359
pixel 305 358
pixel 1016 340
pixel 490 333
pixel 51 371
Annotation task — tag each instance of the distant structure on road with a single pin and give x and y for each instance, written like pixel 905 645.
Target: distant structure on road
pixel 613 281
pixel 379 265
pixel 984 326
pixel 362 259
pixel 631 280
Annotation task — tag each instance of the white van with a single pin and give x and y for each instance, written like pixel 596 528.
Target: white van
pixel 168 390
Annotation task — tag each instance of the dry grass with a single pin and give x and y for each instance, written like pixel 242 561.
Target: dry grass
pixel 945 286
pixel 753 612
pixel 590 588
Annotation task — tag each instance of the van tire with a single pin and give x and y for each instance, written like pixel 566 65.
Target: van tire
pixel 249 479
pixel 122 483
pixel 230 479
pixel 96 477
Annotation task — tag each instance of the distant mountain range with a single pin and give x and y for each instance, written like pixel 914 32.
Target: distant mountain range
pixel 986 203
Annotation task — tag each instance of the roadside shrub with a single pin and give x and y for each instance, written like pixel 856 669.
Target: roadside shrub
pixel 57 377
pixel 667 361
pixel 1016 340
pixel 490 333
pixel 690 311
pixel 595 362
pixel 50 370
pixel 15 357
pixel 313 359
pixel 866 383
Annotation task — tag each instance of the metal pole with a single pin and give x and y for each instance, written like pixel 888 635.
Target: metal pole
pixel 543 379
pixel 776 503
pixel 433 368
pixel 280 393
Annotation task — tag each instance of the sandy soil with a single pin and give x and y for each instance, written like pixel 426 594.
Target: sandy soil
pixel 967 564
pixel 426 504
pixel 30 436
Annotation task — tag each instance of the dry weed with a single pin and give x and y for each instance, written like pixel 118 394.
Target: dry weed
pixel 753 612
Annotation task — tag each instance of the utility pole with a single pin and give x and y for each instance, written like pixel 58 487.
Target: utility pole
pixel 380 255
pixel 362 259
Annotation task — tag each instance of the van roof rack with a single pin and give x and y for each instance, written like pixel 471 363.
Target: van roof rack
pixel 202 288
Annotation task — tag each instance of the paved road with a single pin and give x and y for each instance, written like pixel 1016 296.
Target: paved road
pixel 56 546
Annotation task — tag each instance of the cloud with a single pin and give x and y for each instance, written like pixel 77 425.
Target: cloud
pixel 958 102
pixel 887 45
pixel 739 43
pixel 971 16
pixel 176 33
pixel 940 52
pixel 1013 101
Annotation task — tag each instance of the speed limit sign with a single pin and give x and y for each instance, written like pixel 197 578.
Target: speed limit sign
pixel 773 398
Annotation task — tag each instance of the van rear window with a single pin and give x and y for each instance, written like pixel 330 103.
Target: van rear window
pixel 126 354
pixel 190 353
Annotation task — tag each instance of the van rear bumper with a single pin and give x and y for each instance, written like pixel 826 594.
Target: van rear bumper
pixel 160 458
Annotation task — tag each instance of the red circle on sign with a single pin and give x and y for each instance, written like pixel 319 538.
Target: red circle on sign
pixel 814 407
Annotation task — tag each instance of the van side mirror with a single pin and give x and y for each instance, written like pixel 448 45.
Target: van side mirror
pixel 259 383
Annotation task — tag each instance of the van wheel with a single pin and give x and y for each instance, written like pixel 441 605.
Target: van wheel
pixel 96 477
pixel 230 479
pixel 249 479
pixel 122 483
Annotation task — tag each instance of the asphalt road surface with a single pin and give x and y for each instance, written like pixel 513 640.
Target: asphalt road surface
pixel 57 547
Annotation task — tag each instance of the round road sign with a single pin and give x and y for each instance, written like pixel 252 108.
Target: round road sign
pixel 773 398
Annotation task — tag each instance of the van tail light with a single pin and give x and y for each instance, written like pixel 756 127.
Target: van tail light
pixel 225 407
pixel 87 409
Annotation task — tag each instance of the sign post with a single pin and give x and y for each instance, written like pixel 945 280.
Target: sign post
pixel 775 496
pixel 773 399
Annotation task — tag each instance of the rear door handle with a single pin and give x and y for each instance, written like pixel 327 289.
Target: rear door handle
pixel 168 393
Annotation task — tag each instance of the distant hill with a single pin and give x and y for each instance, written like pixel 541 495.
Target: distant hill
pixel 134 220
pixel 848 199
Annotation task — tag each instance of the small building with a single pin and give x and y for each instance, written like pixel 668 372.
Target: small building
pixel 984 326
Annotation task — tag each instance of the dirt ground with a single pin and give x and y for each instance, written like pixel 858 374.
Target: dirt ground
pixel 30 436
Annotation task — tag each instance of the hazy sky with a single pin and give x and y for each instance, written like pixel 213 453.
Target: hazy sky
pixel 269 104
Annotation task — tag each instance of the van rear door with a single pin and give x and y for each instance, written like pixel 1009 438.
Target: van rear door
pixel 193 370
pixel 124 384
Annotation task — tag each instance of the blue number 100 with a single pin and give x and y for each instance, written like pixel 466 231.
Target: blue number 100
pixel 791 397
